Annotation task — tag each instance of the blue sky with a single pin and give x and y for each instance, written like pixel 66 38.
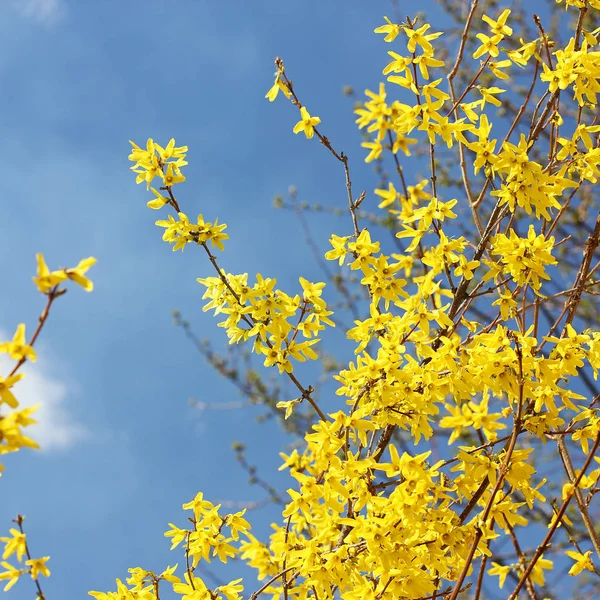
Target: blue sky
pixel 122 447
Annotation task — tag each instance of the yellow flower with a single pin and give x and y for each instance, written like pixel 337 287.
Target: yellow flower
pixel 194 589
pixel 488 95
pixel 499 27
pixel 489 45
pixel 158 202
pixel 46 280
pixel 6 395
pixel 237 524
pixel 582 561
pixel 16 543
pixel 172 176
pixel 167 575
pixel 306 123
pixel 232 590
pixel 77 273
pixel 11 574
pixel 389 196
pixel 288 405
pixel 38 565
pixel 18 348
pixel 311 292
pixel 391 30
pixel 502 571
pixel 278 86
pixel 418 37
pixel 171 151
pixel 465 267
pixel 376 150
pixel 495 67
pixel 507 304
pixel 339 249
pixel 537 575
pixel 199 506
pixel 177 534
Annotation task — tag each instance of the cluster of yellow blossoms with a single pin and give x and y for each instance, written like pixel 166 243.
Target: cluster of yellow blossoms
pixel 17 544
pixel 203 541
pixel 267 315
pixel 263 313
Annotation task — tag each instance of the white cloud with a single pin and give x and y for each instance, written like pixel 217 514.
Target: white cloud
pixel 55 428
pixel 47 12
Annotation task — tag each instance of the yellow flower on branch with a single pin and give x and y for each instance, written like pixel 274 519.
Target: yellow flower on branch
pixel 15 544
pixel 339 248
pixel 158 202
pixel 6 395
pixel 418 37
pixel 489 45
pixel 170 151
pixel 18 348
pixel 231 591
pixel 582 562
pixel 77 273
pixel 38 565
pixel 278 86
pixel 502 571
pixel 495 68
pixel 489 95
pixel 499 27
pixel 46 280
pixel 11 574
pixel 306 123
pixel 391 30
pixel 172 176
pixel 466 267
pixel 375 148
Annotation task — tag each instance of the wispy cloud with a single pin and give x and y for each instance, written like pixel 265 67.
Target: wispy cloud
pixel 55 429
pixel 47 12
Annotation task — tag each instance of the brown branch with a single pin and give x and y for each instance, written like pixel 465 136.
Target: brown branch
pixel 52 295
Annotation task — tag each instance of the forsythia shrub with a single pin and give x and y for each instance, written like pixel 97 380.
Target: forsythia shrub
pixel 463 337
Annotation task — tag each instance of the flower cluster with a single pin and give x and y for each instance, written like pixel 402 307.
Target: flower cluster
pixel 17 544
pixel 376 509
pixel 524 259
pixel 269 316
pixel 181 232
pixel 166 163
pixel 205 540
